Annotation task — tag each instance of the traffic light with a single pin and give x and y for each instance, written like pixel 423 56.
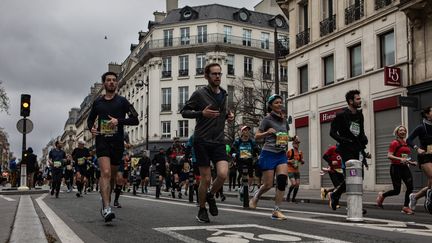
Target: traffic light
pixel 25 105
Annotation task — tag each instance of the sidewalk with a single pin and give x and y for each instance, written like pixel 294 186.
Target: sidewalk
pixel 313 196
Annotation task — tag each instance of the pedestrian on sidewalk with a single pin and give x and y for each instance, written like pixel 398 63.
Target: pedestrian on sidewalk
pixel 110 110
pixel 57 159
pixel 273 158
pixel 208 105
pixel 399 155
pixel 295 160
pixel 348 130
pixel 424 157
pixel 334 170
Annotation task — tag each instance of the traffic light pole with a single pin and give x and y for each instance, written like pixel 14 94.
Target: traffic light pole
pixel 23 164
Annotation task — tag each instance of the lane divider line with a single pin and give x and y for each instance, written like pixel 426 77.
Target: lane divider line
pixel 62 230
pixel 8 198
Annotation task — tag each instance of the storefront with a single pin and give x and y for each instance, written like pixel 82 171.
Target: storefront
pixel 302 130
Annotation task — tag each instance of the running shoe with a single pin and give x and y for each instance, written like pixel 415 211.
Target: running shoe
pixel 180 195
pixel 253 203
pixel 117 204
pixel 78 194
pixel 173 193
pixel 412 201
pixel 278 215
pixel 212 204
pixel 202 216
pixel 52 192
pixel 107 214
pixel 380 200
pixel 223 198
pixel 323 193
pixel 407 210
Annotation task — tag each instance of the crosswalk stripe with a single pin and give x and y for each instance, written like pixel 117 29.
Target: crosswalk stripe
pixel 8 198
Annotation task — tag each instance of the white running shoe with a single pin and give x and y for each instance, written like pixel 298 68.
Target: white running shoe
pixel 108 214
pixel 412 201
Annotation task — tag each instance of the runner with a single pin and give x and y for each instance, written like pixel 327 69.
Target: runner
pixel 69 173
pixel 295 159
pixel 424 157
pixel 334 170
pixel 273 159
pixel 145 172
pixel 246 150
pixel 160 162
pixel 175 154
pixel 57 158
pixel 348 130
pixel 398 154
pixel 110 111
pixel 81 156
pixel 208 106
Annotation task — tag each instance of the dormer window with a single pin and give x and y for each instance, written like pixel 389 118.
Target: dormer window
pixel 188 13
pixel 243 15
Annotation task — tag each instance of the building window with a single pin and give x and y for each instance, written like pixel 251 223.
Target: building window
pixel 202 34
pixel 168 37
pixel 265 40
pixel 284 95
pixel 166 67
pixel 183 128
pixel 184 36
pixel 248 71
pixel 230 63
pixel 227 34
pixel 166 129
pixel 328 70
pixel 183 96
pixel 354 11
pixel 247 37
pixel 200 64
pixel 382 3
pixel 283 73
pixel 328 24
pixel 266 69
pixel 166 99
pixel 355 60
pixel 304 79
pixel 387 49
pixel 183 66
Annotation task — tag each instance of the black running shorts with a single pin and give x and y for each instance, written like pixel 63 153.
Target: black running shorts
pixel 206 152
pixel 112 149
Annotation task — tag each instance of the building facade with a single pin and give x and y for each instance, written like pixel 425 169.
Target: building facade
pixel 167 65
pixel 340 46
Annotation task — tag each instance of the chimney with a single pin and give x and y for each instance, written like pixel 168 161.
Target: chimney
pixel 159 16
pixel 171 4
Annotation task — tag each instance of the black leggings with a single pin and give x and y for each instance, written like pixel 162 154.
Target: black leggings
pixel 398 174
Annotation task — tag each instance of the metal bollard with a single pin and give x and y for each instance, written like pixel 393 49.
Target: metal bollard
pixel 354 190
pixel 158 184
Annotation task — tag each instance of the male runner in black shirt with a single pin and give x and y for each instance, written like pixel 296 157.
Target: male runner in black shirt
pixel 110 111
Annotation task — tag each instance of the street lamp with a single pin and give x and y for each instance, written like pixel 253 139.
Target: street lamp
pixel 277 22
pixel 139 84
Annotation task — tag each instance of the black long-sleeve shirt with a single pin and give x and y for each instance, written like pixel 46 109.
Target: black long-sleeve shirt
pixel 348 130
pixel 116 107
pixel 424 133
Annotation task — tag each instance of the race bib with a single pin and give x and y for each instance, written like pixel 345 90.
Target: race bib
pixel 57 164
pixel 429 149
pixel 404 156
pixel 69 167
pixel 282 139
pixel 296 164
pixel 81 161
pixel 355 128
pixel 245 154
pixel 106 129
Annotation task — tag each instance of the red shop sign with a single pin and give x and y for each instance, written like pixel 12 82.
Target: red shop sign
pixel 392 76
pixel 329 116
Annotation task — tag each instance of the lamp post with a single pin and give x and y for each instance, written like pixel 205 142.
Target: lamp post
pixel 277 22
pixel 140 84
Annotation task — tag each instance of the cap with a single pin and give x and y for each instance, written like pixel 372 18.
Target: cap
pixel 273 97
pixel 81 141
pixel 245 127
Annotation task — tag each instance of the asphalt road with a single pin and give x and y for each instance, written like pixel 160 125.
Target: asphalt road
pixel 146 219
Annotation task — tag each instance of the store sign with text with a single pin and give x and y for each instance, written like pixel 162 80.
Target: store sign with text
pixel 392 76
pixel 329 116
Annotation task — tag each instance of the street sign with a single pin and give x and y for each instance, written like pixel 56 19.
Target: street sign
pixel 409 101
pixel 20 126
pixel 392 76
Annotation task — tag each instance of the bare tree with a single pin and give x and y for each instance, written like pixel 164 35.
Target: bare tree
pixel 4 99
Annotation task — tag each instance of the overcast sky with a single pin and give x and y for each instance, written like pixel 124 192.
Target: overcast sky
pixel 55 50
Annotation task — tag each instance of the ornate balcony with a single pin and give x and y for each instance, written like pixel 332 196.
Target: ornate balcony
pixel 230 70
pixel 303 38
pixel 266 76
pixel 248 74
pixel 166 107
pixel 200 71
pixel 328 25
pixel 183 73
pixel 354 12
pixel 166 74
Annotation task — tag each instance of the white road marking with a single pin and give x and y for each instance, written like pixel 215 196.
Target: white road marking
pixel 62 230
pixel 387 225
pixel 236 235
pixel 7 198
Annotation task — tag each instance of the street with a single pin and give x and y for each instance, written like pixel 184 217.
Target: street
pixel 144 218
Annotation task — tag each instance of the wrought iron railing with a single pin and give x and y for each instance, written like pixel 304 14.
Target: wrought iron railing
pixel 184 72
pixel 266 76
pixel 248 74
pixel 303 38
pixel 200 71
pixel 230 70
pixel 283 78
pixel 328 25
pixel 382 3
pixel 354 12
pixel 166 107
pixel 166 74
